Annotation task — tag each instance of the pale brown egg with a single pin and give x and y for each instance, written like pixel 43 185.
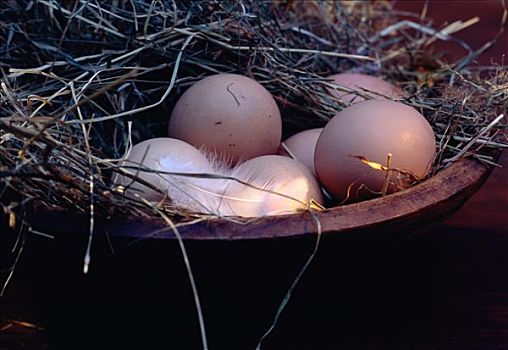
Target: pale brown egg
pixel 373 129
pixel 149 157
pixel 229 114
pixel 302 146
pixel 377 88
pixel 293 184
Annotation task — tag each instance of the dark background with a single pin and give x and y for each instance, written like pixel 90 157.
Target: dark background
pixel 488 209
pixel 446 289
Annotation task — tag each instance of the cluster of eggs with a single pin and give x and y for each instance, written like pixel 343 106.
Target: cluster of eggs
pixel 223 152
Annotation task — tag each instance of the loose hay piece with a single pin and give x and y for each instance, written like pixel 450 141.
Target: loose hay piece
pixel 81 81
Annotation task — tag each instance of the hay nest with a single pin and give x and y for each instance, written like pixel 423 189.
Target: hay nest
pixel 83 81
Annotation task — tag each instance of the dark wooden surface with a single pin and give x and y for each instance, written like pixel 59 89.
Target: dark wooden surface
pixel 446 289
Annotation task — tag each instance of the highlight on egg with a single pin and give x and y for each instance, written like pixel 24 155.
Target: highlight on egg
pixel 372 87
pixel 276 185
pixel 360 140
pixel 228 114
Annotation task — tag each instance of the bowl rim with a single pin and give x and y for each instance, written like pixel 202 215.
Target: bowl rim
pixel 460 179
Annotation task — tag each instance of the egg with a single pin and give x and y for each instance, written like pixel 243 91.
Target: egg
pixel 293 184
pixel 156 155
pixel 373 129
pixel 229 114
pixel 302 146
pixel 359 82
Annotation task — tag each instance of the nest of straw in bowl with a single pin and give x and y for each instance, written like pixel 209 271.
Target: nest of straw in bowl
pixel 83 81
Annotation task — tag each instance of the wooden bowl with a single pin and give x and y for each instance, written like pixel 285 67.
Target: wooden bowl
pixel 367 277
pixel 416 209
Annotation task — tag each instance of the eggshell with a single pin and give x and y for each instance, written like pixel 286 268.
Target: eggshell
pixel 230 114
pixel 302 146
pixel 372 129
pixel 359 82
pixel 275 173
pixel 159 154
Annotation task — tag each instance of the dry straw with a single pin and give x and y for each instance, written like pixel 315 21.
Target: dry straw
pixel 82 81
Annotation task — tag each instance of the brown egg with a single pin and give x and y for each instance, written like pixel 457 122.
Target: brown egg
pixel 275 173
pixel 302 146
pixel 359 82
pixel 159 154
pixel 373 129
pixel 230 114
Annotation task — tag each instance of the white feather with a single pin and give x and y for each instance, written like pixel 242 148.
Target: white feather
pixel 276 185
pixel 211 189
pixel 196 191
